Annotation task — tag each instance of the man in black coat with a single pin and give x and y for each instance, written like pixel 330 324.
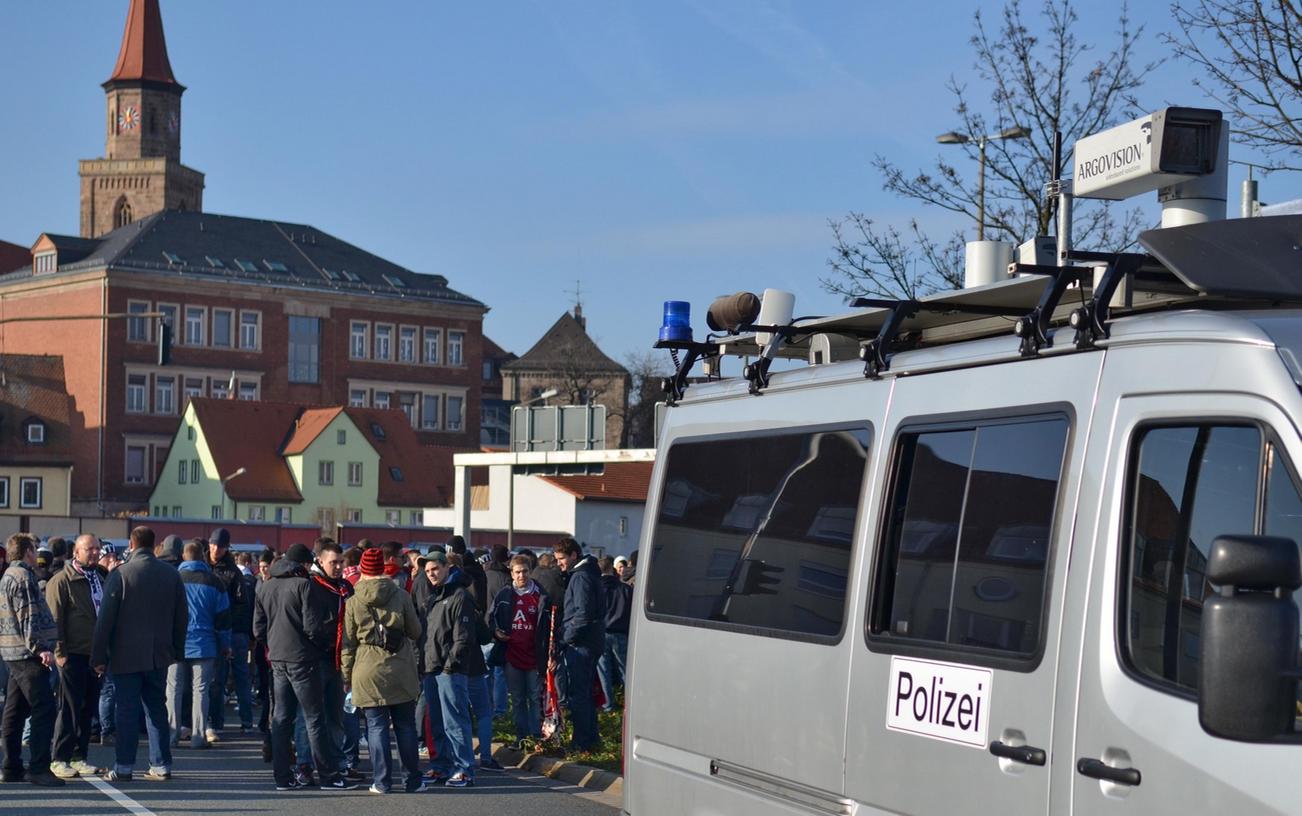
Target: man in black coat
pixel 619 606
pixel 451 655
pixel 581 639
pixel 497 575
pixel 139 633
pixel 237 665
pixel 285 618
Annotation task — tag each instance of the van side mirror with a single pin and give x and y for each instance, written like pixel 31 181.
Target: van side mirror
pixel 1247 674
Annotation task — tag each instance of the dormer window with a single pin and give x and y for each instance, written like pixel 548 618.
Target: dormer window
pixel 45 262
pixel 35 432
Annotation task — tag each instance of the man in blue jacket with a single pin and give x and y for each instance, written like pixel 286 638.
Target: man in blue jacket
pixel 207 635
pixel 581 639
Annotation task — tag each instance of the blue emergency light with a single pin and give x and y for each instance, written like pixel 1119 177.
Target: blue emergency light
pixel 677 325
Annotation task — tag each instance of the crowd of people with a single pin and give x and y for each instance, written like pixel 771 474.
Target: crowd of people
pixel 371 645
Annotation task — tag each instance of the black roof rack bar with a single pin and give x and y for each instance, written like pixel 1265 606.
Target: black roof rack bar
pixel 874 354
pixel 675 386
pixel 1091 320
pixel 758 372
pixel 1034 327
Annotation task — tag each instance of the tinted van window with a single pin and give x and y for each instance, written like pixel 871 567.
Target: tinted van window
pixel 971 514
pixel 755 532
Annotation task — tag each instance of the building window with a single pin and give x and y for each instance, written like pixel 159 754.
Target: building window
pixel 223 328
pixel 248 391
pixel 195 317
pixel 357 398
pixel 169 312
pixel 417 518
pixel 284 515
pixel 381 400
pixel 182 472
pixel 407 344
pixel 432 342
pixel 353 515
pixel 220 390
pixel 354 474
pixel 138 327
pixel 250 331
pixel 193 388
pixel 488 370
pixel 136 385
pixel 429 415
pixel 122 215
pixel 304 349
pixel 194 471
pixel 383 341
pixel 325 518
pixel 454 413
pixel 325 472
pixel 46 262
pixel 216 511
pixel 4 491
pixel 341 437
pixel 136 464
pixel 393 517
pixel 29 492
pixel 396 473
pixel 36 432
pixel 164 395
pixel 456 340
pixel 257 512
pixel 407 402
pixel 358 337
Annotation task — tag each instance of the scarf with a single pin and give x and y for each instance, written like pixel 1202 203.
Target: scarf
pixel 96 585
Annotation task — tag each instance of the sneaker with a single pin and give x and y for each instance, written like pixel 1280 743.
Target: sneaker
pixel 211 736
pixel 422 789
pixel 63 770
pixel 292 784
pixel 114 776
pixel 183 733
pixel 84 768
pixel 491 764
pixel 339 783
pixel 353 774
pixel 158 773
pixel 304 777
pixel 46 780
pixel 423 752
pixel 435 777
pixel 459 780
pixel 377 789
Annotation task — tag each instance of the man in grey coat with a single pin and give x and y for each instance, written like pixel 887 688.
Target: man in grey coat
pixel 139 633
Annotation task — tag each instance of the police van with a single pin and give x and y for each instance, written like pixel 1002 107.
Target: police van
pixel 1028 547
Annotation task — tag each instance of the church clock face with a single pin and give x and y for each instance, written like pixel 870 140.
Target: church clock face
pixel 128 118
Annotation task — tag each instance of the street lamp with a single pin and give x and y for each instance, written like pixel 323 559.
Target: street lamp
pixel 953 137
pixel 239 472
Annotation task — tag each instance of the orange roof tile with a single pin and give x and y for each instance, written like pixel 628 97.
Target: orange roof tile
pixel 622 481
pixel 144 49
pixel 249 435
pixel 309 425
pixel 426 470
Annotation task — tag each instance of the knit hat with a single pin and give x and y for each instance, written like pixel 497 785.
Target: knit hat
pixel 373 562
pixel 299 553
pixel 221 537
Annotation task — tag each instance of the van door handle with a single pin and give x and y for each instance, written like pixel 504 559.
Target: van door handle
pixel 1025 754
pixel 1097 769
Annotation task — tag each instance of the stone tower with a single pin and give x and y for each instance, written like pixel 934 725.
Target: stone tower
pixel 142 172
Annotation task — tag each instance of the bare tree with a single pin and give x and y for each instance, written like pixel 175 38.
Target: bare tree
pixel 647 369
pixel 1249 55
pixel 1044 81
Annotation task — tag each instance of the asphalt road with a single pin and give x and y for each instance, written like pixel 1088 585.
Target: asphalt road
pixel 232 779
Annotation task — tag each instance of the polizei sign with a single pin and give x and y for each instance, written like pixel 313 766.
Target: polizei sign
pixel 1164 148
pixel 944 701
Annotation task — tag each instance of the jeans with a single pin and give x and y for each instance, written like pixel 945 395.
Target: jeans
pixel 403 717
pixel 199 671
pixel 574 687
pixel 238 668
pixel 454 699
pixel 296 685
pixel 482 712
pixel 332 683
pixel 353 738
pixel 78 698
pixel 525 705
pixel 107 704
pixel 440 754
pixel 27 694
pixel 610 668
pixel 496 679
pixel 135 690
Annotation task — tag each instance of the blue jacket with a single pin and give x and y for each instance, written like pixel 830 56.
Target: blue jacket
pixel 209 629
pixel 583 613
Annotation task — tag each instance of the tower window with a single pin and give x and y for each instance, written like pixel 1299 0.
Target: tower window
pixel 122 214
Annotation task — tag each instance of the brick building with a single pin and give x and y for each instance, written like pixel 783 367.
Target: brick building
pixel 265 310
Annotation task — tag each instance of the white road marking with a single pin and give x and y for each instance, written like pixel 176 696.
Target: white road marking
pixel 131 805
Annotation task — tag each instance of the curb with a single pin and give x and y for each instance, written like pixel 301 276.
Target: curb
pixel 571 773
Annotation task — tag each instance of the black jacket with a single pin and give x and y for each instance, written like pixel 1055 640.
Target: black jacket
pixel 583 615
pixel 476 582
pixel 327 598
pixel 552 581
pixel 619 604
pixel 285 619
pixel 143 617
pixel 450 645
pixel 496 576
pixel 241 599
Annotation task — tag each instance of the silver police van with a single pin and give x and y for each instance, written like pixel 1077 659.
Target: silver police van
pixel 1024 548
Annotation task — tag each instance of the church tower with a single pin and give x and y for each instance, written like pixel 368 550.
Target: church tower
pixel 141 173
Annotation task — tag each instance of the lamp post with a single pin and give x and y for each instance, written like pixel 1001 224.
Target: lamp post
pixel 954 137
pixel 510 479
pixel 239 472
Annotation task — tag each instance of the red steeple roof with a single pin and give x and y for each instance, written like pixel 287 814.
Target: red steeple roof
pixel 144 50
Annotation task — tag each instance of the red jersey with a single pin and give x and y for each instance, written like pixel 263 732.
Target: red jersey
pixel 521 649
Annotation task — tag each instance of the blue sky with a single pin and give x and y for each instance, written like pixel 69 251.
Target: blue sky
pixel 666 149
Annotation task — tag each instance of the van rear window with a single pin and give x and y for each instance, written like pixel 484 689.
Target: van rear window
pixel 754 533
pixel 971 517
